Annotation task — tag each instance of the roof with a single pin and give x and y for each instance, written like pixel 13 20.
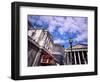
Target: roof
pixel 79 46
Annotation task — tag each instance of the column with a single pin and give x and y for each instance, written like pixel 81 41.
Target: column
pixel 75 58
pixel 87 57
pixel 40 36
pixel 44 39
pixel 67 58
pixel 30 52
pixel 33 34
pixel 30 58
pixel 83 57
pixel 79 58
pixel 36 61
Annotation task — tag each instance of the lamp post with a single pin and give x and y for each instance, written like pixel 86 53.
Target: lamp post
pixel 70 42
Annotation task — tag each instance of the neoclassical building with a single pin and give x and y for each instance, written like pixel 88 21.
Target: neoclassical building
pixel 40 47
pixel 79 55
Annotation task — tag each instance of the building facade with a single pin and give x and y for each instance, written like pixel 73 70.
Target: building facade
pixel 79 55
pixel 40 47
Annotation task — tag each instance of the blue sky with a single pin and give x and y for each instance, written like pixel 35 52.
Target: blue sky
pixel 62 28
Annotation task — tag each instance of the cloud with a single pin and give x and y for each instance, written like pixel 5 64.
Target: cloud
pixel 73 24
pixel 63 24
pixel 51 28
pixel 59 41
pixel 81 37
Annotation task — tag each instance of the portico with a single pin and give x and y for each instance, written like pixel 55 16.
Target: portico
pixel 77 56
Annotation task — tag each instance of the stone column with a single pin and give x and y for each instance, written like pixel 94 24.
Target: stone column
pixel 79 58
pixel 37 58
pixel 30 59
pixel 67 58
pixel 83 57
pixel 44 39
pixel 30 52
pixel 75 58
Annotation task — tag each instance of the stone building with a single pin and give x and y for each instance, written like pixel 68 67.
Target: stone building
pixel 79 55
pixel 40 46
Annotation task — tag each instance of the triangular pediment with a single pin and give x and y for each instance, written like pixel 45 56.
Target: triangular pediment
pixel 79 46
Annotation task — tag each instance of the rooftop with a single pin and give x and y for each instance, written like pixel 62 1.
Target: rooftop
pixel 78 46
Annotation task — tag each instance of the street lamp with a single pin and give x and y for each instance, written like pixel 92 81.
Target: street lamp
pixel 70 42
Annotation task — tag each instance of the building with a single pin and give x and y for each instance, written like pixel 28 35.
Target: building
pixel 58 53
pixel 79 55
pixel 40 47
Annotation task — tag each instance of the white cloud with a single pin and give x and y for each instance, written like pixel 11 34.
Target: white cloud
pixel 81 36
pixel 73 24
pixel 59 41
pixel 51 28
pixel 65 24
